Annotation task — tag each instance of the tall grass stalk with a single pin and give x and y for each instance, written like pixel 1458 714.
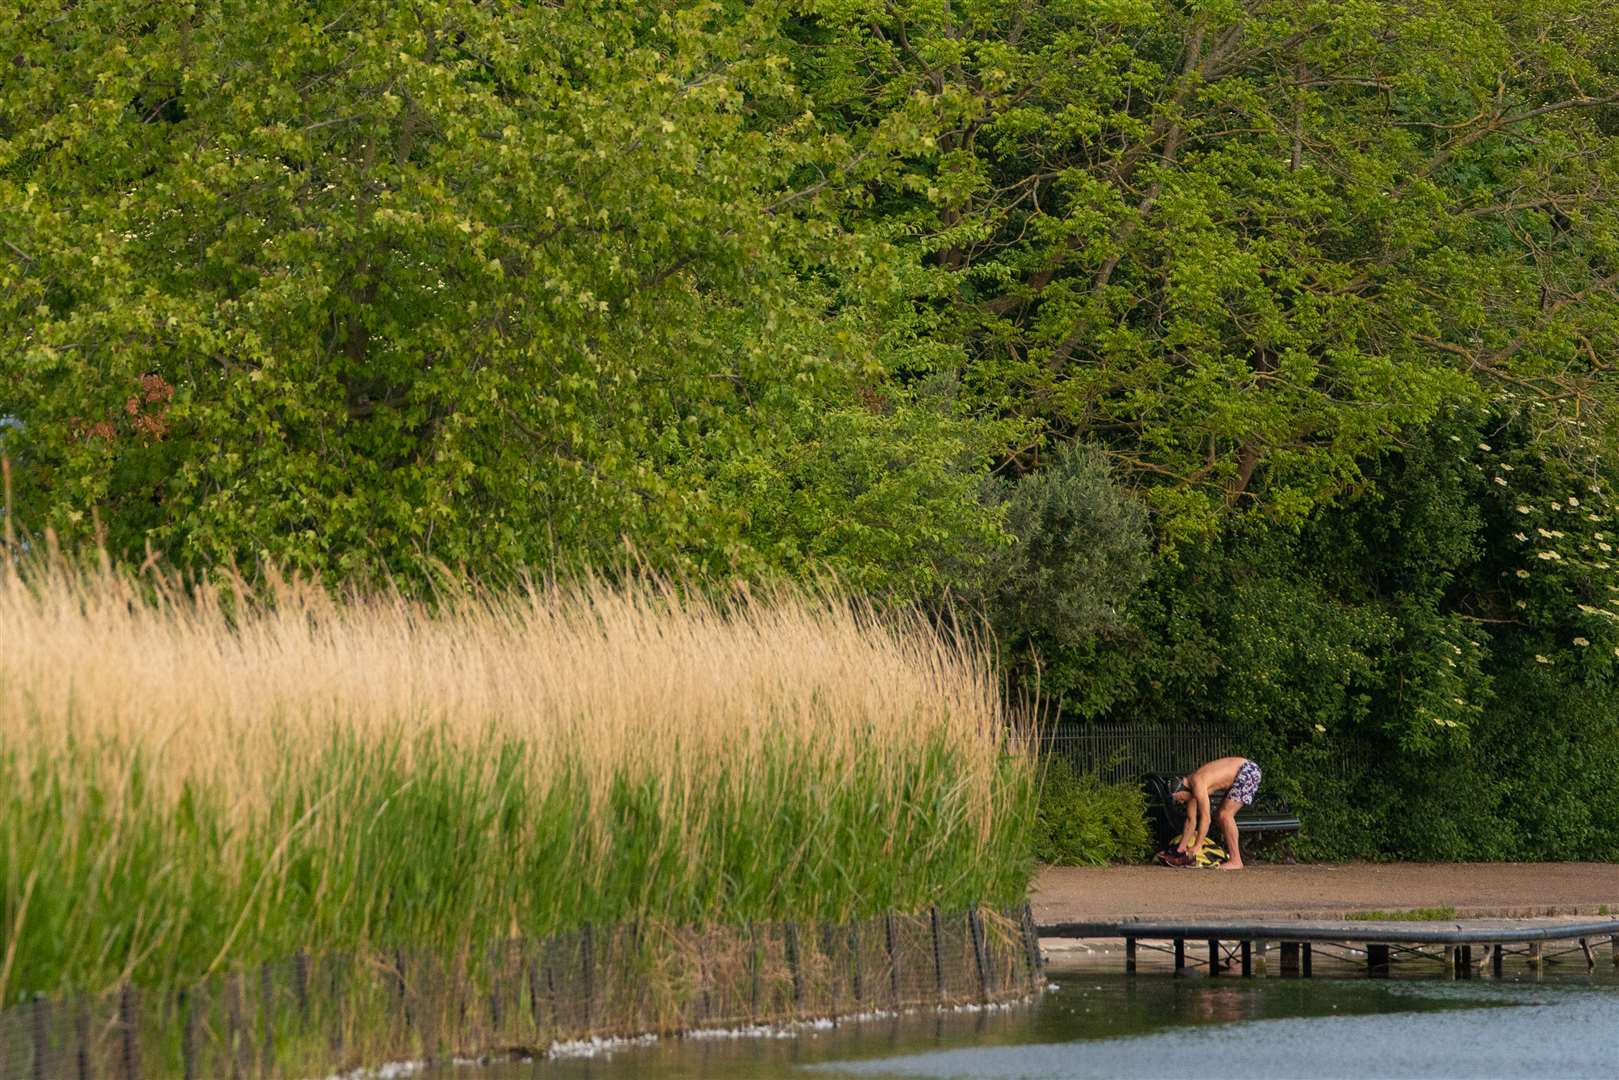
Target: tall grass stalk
pixel 193 779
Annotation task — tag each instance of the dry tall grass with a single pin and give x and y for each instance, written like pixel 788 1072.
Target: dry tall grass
pixel 216 685
pixel 289 769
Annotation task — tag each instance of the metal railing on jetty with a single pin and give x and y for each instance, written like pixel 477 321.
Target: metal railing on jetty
pixel 1243 945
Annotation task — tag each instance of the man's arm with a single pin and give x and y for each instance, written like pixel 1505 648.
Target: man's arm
pixel 1200 793
pixel 1191 826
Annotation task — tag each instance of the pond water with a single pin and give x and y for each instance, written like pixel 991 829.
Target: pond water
pixel 1105 1024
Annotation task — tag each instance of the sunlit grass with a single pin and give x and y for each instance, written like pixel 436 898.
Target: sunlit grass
pixel 1421 914
pixel 192 779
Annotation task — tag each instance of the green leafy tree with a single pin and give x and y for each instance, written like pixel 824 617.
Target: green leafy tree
pixel 1080 547
pixel 1246 245
pixel 364 287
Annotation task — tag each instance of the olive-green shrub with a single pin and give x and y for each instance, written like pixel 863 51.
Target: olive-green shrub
pixel 1083 821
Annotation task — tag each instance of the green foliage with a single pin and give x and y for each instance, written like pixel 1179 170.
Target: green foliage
pixel 1082 821
pixel 362 288
pixel 1421 914
pixel 1407 691
pixel 1080 549
pixel 1246 247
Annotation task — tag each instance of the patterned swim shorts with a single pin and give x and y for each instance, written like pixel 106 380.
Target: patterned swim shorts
pixel 1246 785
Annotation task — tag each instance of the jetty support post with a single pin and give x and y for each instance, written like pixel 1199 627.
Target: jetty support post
pixel 1130 955
pixel 1214 956
pixel 1497 954
pixel 1307 955
pixel 1290 958
pixel 1377 960
pixel 1180 954
pixel 1261 951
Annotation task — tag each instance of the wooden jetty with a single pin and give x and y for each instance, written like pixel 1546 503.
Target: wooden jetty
pixel 1238 945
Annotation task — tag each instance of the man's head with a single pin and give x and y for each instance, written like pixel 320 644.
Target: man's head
pixel 1182 793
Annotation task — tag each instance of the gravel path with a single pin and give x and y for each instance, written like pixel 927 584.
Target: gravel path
pixel 1510 890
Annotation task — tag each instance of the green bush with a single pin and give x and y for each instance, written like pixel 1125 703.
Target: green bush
pixel 1082 821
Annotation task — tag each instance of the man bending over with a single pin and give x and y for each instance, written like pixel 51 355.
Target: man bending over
pixel 1239 778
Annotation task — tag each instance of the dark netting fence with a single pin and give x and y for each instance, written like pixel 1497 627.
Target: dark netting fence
pixel 311 1015
pixel 1123 752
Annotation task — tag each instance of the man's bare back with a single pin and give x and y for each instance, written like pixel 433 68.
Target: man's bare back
pixel 1216 775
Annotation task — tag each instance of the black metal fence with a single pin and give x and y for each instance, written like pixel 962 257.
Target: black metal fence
pixel 309 1015
pixel 1119 752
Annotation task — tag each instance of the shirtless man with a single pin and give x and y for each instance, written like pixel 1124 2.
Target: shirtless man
pixel 1239 777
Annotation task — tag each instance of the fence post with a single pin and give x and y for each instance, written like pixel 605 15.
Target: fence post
pixel 126 1024
pixel 587 962
pixel 267 1010
pixel 401 990
pixel 793 965
pixel 499 956
pixel 233 1016
pixel 1031 945
pixel 41 1031
pixel 703 980
pixel 81 1036
pixel 188 1036
pixel 550 972
pixel 533 953
pixel 857 983
pixel 938 952
pixel 334 981
pixel 463 989
pixel 755 962
pixel 300 985
pixel 975 927
pixel 893 955
pixel 828 937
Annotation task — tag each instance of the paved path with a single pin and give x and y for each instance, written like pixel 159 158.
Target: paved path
pixel 1510 890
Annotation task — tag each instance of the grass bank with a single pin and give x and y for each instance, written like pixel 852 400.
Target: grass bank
pixel 194 780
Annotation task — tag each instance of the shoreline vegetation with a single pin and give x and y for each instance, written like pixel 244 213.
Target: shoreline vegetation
pixel 196 778
pixel 1248 367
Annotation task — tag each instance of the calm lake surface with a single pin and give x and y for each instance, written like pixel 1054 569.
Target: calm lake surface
pixel 1105 1024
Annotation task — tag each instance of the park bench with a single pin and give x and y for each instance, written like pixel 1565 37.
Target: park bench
pixel 1263 823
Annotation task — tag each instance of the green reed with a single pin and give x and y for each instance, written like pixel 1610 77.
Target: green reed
pixel 356 849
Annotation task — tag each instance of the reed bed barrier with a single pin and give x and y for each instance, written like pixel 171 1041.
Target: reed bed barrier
pixel 313 1015
pixel 205 777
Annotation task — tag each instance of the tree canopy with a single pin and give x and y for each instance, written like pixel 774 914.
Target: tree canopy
pixel 357 287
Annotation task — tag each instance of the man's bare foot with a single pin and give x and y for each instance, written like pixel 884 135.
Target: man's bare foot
pixel 1231 864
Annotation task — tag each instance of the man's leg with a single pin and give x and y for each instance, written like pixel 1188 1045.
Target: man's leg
pixel 1228 829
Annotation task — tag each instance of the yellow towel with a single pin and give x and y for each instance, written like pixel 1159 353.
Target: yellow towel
pixel 1208 854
